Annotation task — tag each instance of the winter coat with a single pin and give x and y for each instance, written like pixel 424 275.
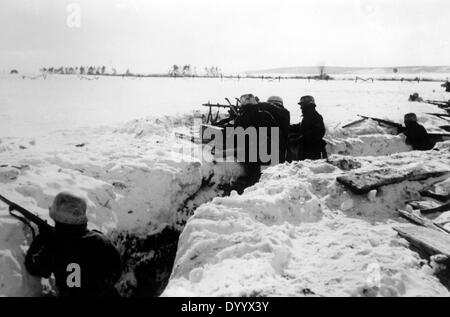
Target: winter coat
pixel 98 261
pixel 255 117
pixel 311 131
pixel 417 137
pixel 283 121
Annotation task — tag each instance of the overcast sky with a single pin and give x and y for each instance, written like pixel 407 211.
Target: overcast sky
pixel 236 35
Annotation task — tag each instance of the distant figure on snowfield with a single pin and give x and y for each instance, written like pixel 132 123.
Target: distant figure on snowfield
pixel 84 262
pixel 415 97
pixel 307 136
pixel 416 135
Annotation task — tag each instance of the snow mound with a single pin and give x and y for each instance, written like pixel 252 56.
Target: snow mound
pixel 141 189
pixel 366 138
pixel 10 144
pixel 136 185
pixel 14 279
pixel 298 232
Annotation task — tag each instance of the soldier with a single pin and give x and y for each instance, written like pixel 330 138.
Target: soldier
pixel 415 97
pixel 307 136
pixel 255 115
pixel 84 262
pixel 416 135
pixel 283 118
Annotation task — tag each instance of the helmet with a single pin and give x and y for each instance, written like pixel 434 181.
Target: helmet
pixel 276 100
pixel 307 101
pixel 410 117
pixel 248 99
pixel 69 209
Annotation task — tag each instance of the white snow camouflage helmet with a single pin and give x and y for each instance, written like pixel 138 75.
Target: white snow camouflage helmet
pixel 248 99
pixel 276 100
pixel 68 209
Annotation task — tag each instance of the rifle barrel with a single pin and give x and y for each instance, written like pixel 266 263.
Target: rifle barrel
pixel 216 105
pixel 392 124
pixel 41 223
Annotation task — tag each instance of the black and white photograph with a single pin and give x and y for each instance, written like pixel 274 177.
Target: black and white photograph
pixel 241 150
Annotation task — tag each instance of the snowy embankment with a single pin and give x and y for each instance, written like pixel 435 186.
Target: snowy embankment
pixel 295 232
pixel 298 232
pixel 139 188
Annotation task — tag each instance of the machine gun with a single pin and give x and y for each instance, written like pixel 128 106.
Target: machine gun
pixel 233 111
pixel 28 218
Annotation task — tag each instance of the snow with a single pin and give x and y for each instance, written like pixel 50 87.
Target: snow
pixel 299 232
pixel 14 279
pixel 296 232
pixel 30 108
pixel 132 177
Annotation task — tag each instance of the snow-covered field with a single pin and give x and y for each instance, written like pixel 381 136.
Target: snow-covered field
pixel 38 107
pixel 297 232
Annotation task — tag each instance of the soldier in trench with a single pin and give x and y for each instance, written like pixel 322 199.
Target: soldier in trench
pixel 84 262
pixel 257 115
pixel 416 135
pixel 307 136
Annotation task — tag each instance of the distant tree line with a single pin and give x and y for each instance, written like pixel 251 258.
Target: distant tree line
pixel 189 71
pixel 82 70
pixel 175 71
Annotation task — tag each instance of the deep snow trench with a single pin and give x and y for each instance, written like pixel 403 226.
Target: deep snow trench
pixel 293 233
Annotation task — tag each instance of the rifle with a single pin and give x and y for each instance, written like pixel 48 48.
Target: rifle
pixel 28 217
pixel 436 137
pixel 385 122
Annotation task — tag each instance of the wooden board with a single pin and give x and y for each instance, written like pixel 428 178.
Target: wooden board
pixel 438 114
pixel 441 208
pixel 419 220
pixel 422 204
pixel 445 127
pixel 438 197
pixel 363 182
pixel 425 239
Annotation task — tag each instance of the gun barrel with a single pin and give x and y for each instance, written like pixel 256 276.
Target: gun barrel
pixel 387 122
pixel 216 105
pixel 41 223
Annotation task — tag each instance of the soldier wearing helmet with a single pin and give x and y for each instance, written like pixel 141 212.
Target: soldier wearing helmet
pixel 308 135
pixel 84 262
pixel 415 133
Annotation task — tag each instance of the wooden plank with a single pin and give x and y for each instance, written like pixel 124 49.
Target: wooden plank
pixel 428 206
pixel 363 182
pixel 441 208
pixel 438 197
pixel 425 239
pixel 422 204
pixel 438 114
pixel 419 220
